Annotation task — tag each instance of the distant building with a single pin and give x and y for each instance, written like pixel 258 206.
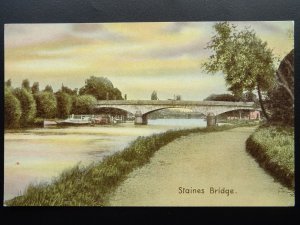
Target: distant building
pixel 253 115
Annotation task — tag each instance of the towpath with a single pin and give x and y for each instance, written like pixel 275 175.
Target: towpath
pixel 202 162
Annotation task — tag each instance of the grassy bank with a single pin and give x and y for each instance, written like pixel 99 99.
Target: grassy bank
pixel 90 186
pixel 273 148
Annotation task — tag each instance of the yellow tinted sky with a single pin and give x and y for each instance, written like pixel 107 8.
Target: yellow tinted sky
pixel 137 57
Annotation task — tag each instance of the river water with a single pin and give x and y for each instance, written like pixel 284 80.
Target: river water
pixel 40 154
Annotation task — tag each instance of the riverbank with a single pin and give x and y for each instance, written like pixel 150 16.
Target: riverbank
pixel 92 184
pixel 203 169
pixel 273 148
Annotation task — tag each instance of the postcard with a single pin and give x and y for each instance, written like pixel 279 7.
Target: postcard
pixel 149 114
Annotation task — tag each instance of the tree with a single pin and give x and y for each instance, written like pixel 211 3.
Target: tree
pixel 69 91
pixel 245 60
pixel 84 104
pixel 35 88
pixel 48 88
pixel 100 88
pixel 8 83
pixel 222 97
pixel 28 105
pixel 249 96
pixel 280 101
pixel 154 95
pixel 178 97
pixel 12 110
pixel 26 84
pixel 64 104
pixel 46 104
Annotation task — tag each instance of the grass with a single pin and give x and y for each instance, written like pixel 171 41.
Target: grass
pixel 91 185
pixel 273 148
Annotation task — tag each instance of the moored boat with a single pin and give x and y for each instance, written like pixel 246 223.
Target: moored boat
pixel 76 120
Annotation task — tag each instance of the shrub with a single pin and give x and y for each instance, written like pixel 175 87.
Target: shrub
pixel 12 109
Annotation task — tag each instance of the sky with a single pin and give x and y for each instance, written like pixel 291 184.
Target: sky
pixel 137 57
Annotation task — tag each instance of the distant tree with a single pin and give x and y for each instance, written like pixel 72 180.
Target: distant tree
pixel 28 105
pixel 222 97
pixel 46 104
pixel 35 88
pixel 178 97
pixel 69 91
pixel 117 95
pixel 8 83
pixel 246 60
pixel 249 97
pixel 12 109
pixel 84 104
pixel 64 104
pixel 26 84
pixel 125 96
pixel 154 95
pixel 48 88
pixel 100 88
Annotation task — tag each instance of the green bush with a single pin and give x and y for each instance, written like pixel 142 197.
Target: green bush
pixel 12 110
pixel 46 104
pixel 273 147
pixel 28 105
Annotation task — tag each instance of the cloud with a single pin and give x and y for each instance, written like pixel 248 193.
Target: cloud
pixel 133 55
pixel 96 31
pixel 87 27
pixel 18 35
pixel 175 27
pixel 194 49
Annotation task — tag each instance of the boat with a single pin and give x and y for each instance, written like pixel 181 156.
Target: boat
pixel 47 123
pixel 101 119
pixel 76 120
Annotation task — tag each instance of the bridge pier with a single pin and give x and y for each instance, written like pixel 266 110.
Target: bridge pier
pixel 211 120
pixel 140 119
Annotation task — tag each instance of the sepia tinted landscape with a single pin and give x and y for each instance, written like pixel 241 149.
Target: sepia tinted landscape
pixel 149 114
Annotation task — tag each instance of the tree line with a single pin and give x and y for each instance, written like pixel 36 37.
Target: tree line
pixel 26 104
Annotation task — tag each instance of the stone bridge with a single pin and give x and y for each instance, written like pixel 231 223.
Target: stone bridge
pixel 141 108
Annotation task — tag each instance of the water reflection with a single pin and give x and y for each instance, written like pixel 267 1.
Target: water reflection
pixel 36 155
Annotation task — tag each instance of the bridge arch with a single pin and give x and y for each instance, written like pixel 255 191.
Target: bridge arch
pixel 142 108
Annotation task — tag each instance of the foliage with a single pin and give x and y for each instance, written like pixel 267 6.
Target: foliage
pixel 35 88
pixel 246 97
pixel 84 104
pixel 12 109
pixel 64 104
pixel 46 104
pixel 249 96
pixel 178 97
pixel 26 84
pixel 246 60
pixel 8 83
pixel 69 91
pixel 48 88
pixel 273 147
pixel 280 101
pixel 28 105
pixel 101 88
pixel 222 97
pixel 154 95
pixel 92 185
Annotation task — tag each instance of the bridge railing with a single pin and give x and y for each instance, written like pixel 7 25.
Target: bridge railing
pixel 175 102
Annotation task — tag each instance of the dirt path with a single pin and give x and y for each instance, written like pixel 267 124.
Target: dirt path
pixel 202 161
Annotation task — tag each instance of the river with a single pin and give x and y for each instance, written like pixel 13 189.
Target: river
pixel 40 154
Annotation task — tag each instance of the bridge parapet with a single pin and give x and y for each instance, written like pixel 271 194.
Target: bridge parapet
pixel 175 103
pixel 141 108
